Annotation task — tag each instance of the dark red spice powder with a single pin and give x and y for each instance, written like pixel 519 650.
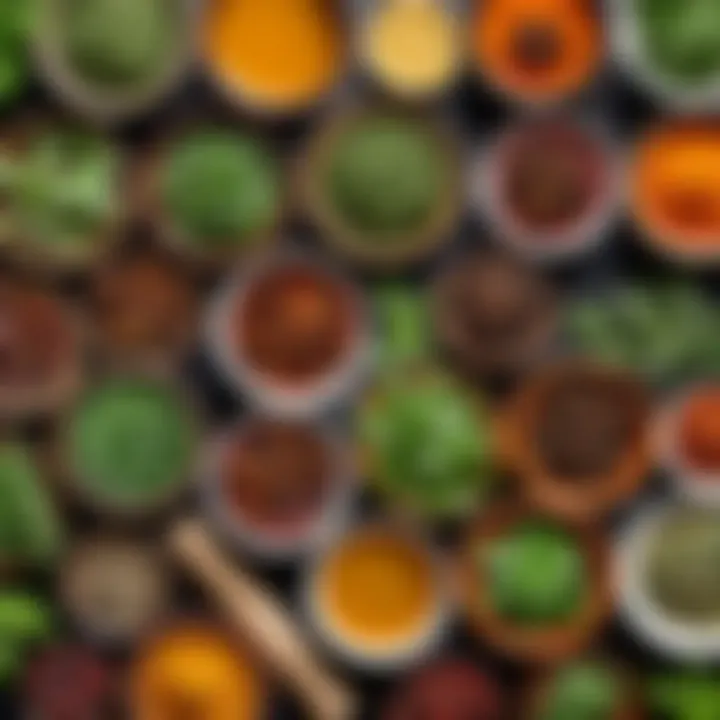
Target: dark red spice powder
pixel 552 174
pixel 447 690
pixel 294 324
pixel 277 473
pixel 36 336
pixel 68 682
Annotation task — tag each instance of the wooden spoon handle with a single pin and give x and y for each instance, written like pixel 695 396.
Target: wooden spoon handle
pixel 262 620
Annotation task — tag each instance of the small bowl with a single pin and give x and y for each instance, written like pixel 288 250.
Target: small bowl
pixel 589 499
pixel 627 49
pixel 147 199
pixel 380 658
pixel 571 240
pixel 537 100
pixel 315 396
pixel 245 654
pixel 21 402
pixel 64 669
pixel 453 321
pixel 695 485
pixel 88 555
pixel 91 103
pixel 405 249
pixel 539 645
pixel 255 108
pixel 44 257
pixel 120 294
pixel 669 244
pixel 366 22
pixel 631 707
pixel 442 683
pixel 86 490
pixel 267 543
pixel 673 639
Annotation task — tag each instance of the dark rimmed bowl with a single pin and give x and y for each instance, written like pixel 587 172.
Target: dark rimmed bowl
pixel 403 249
pixel 534 645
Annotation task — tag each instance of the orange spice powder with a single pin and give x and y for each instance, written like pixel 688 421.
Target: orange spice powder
pixel 276 53
pixel 537 49
pixel 676 184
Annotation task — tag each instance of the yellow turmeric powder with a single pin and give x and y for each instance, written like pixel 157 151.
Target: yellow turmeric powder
pixel 278 54
pixel 192 668
pixel 377 587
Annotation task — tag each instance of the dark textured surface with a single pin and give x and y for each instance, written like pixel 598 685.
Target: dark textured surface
pixel 477 115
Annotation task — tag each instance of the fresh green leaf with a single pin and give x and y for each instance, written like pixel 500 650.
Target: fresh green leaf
pixel 24 617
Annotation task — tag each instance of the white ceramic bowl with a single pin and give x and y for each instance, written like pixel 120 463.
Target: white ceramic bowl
pixel 555 245
pixel 332 517
pixel 315 398
pixel 697 486
pixel 627 49
pixel 676 640
pixel 382 658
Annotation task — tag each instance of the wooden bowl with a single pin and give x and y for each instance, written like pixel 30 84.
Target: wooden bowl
pixel 405 248
pixel 535 645
pixel 578 500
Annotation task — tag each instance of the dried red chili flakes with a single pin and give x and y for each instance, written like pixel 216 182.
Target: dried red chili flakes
pixel 276 474
pixel 294 323
pixel 145 301
pixel 68 682
pixel 36 335
pixel 452 689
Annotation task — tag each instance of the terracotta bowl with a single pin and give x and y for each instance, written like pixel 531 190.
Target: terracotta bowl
pixel 580 500
pixel 538 645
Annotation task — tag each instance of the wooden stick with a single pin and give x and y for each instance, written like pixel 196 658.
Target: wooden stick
pixel 259 617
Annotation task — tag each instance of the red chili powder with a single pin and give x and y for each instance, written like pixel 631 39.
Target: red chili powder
pixel 447 690
pixel 277 473
pixel 35 335
pixel 294 324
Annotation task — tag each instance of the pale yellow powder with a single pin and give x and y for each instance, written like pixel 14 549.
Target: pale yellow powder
pixel 412 46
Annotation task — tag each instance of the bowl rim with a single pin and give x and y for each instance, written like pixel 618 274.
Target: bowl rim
pixel 317 397
pixel 386 658
pixel 547 645
pixel 331 516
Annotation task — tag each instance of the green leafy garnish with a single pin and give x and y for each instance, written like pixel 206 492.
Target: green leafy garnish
pixel 131 441
pixel 666 332
pixel 63 189
pixel 537 573
pixel 386 176
pixel 428 443
pixel 406 333
pixel 584 691
pixel 686 696
pixel 15 25
pixel 221 187
pixel 25 620
pixel 682 38
pixel 30 529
